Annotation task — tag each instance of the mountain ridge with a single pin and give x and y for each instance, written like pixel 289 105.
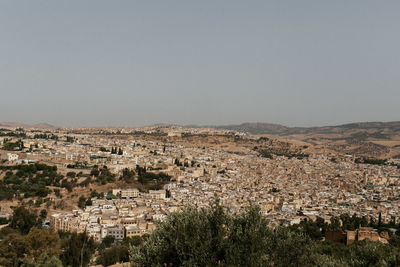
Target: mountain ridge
pixel 41 125
pixel 376 127
pixel 392 127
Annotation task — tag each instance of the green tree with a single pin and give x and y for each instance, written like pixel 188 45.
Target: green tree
pixel 41 241
pixel 88 202
pixel 128 175
pixel 191 238
pixel 13 247
pixel 23 219
pixel 44 261
pixel 335 223
pixel 71 174
pixel 113 255
pixel 132 241
pixel 107 241
pixel 289 248
pixel 247 239
pixel 77 250
pixel 82 202
pixel 103 149
pixel 208 237
pixel 380 220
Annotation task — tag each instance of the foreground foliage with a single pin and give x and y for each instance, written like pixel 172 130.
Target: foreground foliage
pixel 24 243
pixel 193 237
pixel 214 237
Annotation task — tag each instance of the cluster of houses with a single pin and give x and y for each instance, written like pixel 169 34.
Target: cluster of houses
pixel 324 184
pixel 130 213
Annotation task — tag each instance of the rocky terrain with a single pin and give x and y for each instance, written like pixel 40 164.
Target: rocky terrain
pixel 368 139
pixel 24 125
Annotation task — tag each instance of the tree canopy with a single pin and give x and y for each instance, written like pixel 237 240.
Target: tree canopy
pixel 216 237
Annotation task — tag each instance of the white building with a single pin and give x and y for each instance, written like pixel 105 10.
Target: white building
pixel 12 157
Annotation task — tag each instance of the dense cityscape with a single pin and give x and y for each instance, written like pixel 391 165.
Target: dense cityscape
pixel 199 164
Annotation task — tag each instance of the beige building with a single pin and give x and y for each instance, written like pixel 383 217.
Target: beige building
pixel 126 193
pixel 157 194
pixel 349 237
pixel 132 230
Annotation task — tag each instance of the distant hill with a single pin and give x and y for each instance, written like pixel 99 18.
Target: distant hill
pixel 368 139
pixel 382 130
pixel 43 126
pixel 23 125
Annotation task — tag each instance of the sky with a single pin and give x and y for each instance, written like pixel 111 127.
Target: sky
pixel 209 62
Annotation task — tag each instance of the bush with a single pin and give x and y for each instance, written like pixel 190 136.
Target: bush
pixel 3 221
pixel 23 220
pixel 77 250
pixel 206 237
pixel 71 174
pixel 215 237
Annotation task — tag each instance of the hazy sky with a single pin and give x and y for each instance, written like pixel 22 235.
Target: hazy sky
pixel 132 63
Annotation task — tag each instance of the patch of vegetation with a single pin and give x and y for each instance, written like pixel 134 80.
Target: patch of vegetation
pixel 128 176
pixel 371 161
pixel 268 154
pixel 317 229
pixel 78 165
pixel 3 220
pixel 83 202
pixel 24 243
pixel 274 190
pixel 197 237
pixel 103 149
pixel 215 237
pixel 363 136
pixel 13 146
pixel 102 175
pixel 69 139
pixel 45 136
pixel 187 135
pixel 30 180
pixel 150 180
pixel 5 132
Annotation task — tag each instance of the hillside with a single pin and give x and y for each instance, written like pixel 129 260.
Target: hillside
pixel 371 129
pixel 24 125
pixel 369 139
